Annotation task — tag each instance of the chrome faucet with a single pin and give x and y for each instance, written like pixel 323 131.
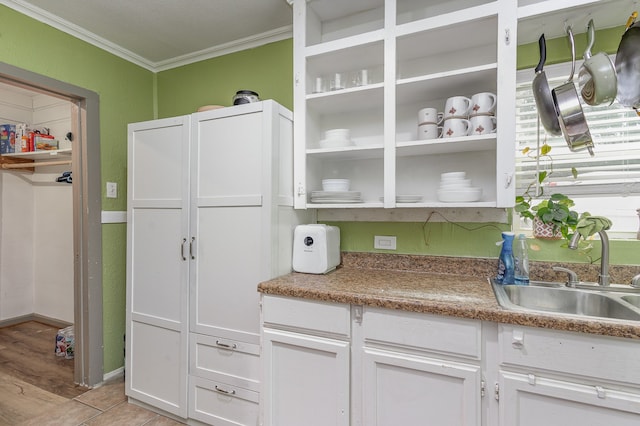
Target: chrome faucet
pixel 603 278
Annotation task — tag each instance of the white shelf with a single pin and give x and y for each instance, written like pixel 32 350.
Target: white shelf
pixel 446 146
pixel 466 81
pixel 347 152
pixel 41 155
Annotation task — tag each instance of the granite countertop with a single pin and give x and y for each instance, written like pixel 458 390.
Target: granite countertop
pixel 460 295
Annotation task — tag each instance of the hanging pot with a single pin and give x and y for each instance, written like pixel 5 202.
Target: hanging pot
pixel 597 78
pixel 570 115
pixel 542 94
pixel 628 65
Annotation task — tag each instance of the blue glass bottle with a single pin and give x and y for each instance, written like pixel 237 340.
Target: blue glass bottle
pixel 505 273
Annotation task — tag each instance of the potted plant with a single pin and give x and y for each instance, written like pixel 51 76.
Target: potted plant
pixel 551 215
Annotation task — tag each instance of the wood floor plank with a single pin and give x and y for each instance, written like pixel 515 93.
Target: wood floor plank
pixel 21 401
pixel 29 354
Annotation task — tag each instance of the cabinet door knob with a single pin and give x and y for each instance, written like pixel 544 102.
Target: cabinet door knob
pixel 191 248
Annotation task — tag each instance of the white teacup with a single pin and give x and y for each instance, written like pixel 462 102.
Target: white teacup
pixel 429 115
pixel 483 103
pixel 457 106
pixel 429 131
pixel 482 124
pixel 454 127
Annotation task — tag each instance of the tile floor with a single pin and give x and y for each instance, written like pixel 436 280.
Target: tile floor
pixel 104 405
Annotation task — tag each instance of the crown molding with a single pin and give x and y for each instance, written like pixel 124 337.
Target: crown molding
pixel 82 34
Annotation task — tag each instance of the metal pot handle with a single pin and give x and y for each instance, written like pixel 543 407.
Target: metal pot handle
pixel 591 35
pixel 573 53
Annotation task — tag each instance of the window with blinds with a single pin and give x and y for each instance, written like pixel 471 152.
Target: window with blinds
pixel 612 174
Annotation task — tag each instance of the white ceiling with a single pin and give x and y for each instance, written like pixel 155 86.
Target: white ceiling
pixel 162 34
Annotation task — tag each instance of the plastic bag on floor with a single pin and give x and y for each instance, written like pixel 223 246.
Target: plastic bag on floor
pixel 65 342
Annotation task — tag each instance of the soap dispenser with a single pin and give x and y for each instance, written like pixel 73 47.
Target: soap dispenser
pixel 505 273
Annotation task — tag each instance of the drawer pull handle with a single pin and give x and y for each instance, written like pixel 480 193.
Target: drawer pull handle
pixel 224 391
pixel 517 340
pixel 226 345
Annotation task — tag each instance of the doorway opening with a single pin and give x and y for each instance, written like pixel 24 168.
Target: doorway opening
pixel 86 211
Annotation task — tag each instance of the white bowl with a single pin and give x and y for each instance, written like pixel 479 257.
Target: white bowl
pixel 337 134
pixel 455 184
pixel 335 185
pixel 460 195
pixel 453 175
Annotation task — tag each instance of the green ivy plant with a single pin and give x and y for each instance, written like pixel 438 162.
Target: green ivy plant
pixel 554 209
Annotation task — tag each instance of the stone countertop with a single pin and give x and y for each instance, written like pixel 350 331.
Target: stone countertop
pixel 464 296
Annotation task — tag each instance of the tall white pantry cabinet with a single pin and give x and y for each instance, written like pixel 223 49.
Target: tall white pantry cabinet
pixel 210 215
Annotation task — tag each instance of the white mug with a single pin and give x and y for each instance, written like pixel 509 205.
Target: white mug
pixel 482 103
pixel 429 131
pixel 429 115
pixel 454 127
pixel 482 124
pixel 457 106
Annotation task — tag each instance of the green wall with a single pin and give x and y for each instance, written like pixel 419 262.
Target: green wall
pixel 267 70
pixel 129 93
pixel 126 95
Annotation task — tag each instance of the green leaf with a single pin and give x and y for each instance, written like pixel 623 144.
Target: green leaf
pixel 545 149
pixel 574 172
pixel 541 176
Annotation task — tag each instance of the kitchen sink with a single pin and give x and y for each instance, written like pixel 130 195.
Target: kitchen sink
pixel 557 298
pixel 633 299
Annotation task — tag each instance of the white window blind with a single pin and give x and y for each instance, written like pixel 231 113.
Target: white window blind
pixel 613 170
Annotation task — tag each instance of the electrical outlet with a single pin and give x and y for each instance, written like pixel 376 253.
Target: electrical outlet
pixel 112 190
pixel 384 242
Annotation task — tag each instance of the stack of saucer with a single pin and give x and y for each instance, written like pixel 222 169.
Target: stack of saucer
pixel 336 191
pixel 456 188
pixel 336 138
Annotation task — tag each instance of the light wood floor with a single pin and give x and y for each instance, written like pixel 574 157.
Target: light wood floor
pixel 36 387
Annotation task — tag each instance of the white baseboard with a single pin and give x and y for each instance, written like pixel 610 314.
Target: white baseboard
pixel 117 373
pixel 109 216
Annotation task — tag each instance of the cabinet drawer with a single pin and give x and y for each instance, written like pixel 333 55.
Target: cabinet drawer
pixel 319 317
pixel 221 404
pixel 448 335
pixel 600 357
pixel 229 361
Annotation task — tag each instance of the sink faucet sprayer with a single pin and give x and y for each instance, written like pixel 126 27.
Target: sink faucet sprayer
pixel 603 278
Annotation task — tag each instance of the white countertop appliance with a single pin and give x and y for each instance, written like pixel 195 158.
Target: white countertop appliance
pixel 316 248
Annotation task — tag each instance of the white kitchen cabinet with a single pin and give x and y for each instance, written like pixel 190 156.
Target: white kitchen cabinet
pixel 419 367
pixel 558 378
pixel 416 55
pixel 157 266
pixel 306 362
pixel 210 216
pixel 381 368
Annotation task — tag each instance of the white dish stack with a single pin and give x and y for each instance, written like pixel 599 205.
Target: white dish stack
pixel 336 191
pixel 336 138
pixel 456 188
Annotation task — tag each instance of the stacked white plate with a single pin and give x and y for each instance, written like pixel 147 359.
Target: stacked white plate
pixel 336 197
pixel 456 188
pixel 406 198
pixel 336 138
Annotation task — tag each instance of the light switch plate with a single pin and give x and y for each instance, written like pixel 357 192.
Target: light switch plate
pixel 112 190
pixel 384 242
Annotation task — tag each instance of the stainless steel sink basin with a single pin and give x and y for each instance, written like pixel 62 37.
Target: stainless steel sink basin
pixel 633 299
pixel 556 298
